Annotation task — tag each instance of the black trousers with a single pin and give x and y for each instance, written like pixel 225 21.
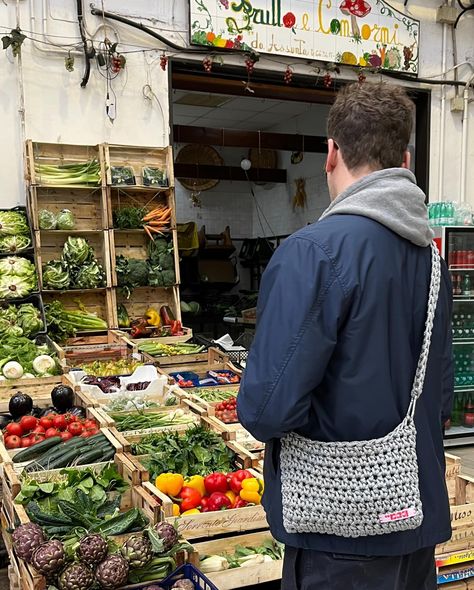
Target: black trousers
pixel 304 569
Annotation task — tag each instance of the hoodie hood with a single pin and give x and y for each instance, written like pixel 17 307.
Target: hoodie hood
pixel 390 197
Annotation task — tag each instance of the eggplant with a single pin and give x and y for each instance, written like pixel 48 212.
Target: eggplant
pixel 4 420
pixel 48 411
pixel 37 412
pixel 77 411
pixel 20 404
pixel 62 397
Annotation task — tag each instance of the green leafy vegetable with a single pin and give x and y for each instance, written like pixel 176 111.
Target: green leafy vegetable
pixel 129 217
pixel 63 324
pixel 12 244
pixel 76 251
pixel 16 266
pixel 86 173
pixel 24 351
pixel 47 219
pixel 90 276
pixel 13 223
pixel 56 275
pixel 65 219
pixel 131 273
pixel 29 319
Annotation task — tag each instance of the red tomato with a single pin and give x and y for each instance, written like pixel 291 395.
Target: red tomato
pixel 92 431
pixel 47 421
pixel 71 418
pixel 65 435
pixel 59 422
pixel 28 423
pixel 89 424
pixel 13 442
pixel 51 432
pixel 14 428
pixel 38 430
pixel 86 434
pixel 37 437
pixel 26 442
pixel 75 428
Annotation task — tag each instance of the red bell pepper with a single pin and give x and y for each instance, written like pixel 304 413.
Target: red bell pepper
pixel 236 478
pixel 205 504
pixel 176 328
pixel 190 497
pixel 239 503
pixel 219 501
pixel 216 482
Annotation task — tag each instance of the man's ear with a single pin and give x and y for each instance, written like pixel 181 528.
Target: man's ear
pixel 332 157
pixel 406 160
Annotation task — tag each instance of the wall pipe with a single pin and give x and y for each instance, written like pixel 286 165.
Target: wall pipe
pixel 442 117
pixel 465 122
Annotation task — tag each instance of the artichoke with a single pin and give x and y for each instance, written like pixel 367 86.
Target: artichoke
pixel 168 534
pixel 49 558
pixel 92 549
pixel 137 550
pixel 112 572
pixel 26 538
pixel 76 576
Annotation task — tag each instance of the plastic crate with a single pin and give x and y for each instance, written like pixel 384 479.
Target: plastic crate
pixel 186 571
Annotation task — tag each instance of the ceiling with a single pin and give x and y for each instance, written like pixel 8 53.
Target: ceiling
pixel 233 112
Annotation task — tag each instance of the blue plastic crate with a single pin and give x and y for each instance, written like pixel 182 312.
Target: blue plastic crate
pixel 185 571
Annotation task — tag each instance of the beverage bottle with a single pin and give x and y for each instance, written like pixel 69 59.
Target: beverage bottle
pixel 469 411
pixel 443 213
pixel 466 286
pixel 456 413
pixel 451 213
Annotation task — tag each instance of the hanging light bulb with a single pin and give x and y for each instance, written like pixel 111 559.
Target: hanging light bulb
pixel 245 164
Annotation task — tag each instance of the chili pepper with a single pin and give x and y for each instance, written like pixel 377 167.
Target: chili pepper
pixel 176 510
pixel 236 478
pixel 190 497
pixel 252 490
pixel 216 482
pixel 191 511
pixel 205 504
pixel 219 501
pixel 138 328
pixel 176 327
pixel 197 483
pixel 239 503
pixel 170 483
pixel 232 497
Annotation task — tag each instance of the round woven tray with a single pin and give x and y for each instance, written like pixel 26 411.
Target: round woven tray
pixel 199 154
pixel 263 158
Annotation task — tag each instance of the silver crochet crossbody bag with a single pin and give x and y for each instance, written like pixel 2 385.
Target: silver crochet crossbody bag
pixel 359 488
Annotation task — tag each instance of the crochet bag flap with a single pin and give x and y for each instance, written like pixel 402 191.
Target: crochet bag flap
pixel 359 488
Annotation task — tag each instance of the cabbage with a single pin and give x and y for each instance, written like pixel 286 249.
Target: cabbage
pixel 9 329
pixel 12 287
pixel 13 223
pixel 29 319
pixel 47 219
pixel 16 266
pixel 77 251
pixel 65 219
pixel 90 276
pixel 12 244
pixel 56 275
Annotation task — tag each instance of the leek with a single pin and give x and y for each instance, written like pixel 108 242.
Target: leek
pixel 86 173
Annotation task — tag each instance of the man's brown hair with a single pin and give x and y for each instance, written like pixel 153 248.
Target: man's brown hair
pixel 371 124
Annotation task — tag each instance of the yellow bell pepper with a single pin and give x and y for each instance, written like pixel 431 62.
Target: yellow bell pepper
pixel 191 511
pixel 231 495
pixel 252 490
pixel 153 317
pixel 170 483
pixel 197 483
pixel 176 510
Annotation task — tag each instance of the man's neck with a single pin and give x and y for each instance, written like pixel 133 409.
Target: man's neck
pixel 349 177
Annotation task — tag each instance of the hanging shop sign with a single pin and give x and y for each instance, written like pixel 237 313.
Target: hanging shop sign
pixel 354 32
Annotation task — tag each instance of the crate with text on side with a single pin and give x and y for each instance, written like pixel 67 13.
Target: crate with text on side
pixel 457 247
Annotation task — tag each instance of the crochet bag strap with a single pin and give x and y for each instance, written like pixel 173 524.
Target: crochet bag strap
pixel 419 379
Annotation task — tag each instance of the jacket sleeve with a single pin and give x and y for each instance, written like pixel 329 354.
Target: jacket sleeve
pixel 300 307
pixel 448 361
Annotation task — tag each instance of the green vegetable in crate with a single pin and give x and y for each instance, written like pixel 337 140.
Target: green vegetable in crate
pixel 160 253
pixel 13 223
pixel 131 273
pixel 47 219
pixel 13 244
pixel 29 319
pixel 66 174
pixel 129 217
pixel 65 219
pixel 143 420
pixel 56 275
pixel 123 318
pixel 24 352
pixel 90 276
pixel 63 324
pixel 76 251
pixel 137 550
pixel 14 287
pixel 158 277
pixel 17 266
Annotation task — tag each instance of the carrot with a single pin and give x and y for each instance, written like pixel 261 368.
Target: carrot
pixel 148 232
pixel 153 214
pixel 155 230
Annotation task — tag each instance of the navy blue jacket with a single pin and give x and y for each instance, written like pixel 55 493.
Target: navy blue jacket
pixel 340 321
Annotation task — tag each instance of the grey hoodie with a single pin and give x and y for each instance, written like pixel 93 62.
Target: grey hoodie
pixel 390 197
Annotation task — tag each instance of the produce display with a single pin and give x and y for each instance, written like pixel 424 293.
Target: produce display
pixel 142 420
pixel 17 277
pixel 21 357
pixel 64 324
pixel 87 173
pixel 14 232
pixel 214 492
pixel 22 319
pixel 214 394
pixel 154 323
pixel 78 268
pixel 63 220
pixel 109 368
pixel 155 222
pixel 198 450
pixel 226 411
pixel 269 550
pixel 157 349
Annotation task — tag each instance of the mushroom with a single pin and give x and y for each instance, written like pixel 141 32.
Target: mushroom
pixel 355 8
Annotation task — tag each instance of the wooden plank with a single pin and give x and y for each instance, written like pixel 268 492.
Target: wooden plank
pixel 234 173
pixel 250 139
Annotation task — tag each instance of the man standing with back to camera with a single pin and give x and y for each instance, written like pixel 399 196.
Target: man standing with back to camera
pixel 340 335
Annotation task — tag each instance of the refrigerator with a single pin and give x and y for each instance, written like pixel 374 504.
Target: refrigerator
pixel 456 245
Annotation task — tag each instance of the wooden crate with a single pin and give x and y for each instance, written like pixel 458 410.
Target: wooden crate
pixel 59 153
pixel 138 196
pixel 38 389
pixel 98 301
pixel 49 246
pixel 238 577
pixel 137 157
pixel 145 297
pixel 210 524
pixel 462 518
pixel 85 348
pixel 216 361
pixel 453 469
pixel 88 205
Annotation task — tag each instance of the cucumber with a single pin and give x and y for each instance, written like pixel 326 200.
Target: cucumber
pixel 36 450
pixel 108 455
pixel 63 460
pixel 91 456
pixel 62 448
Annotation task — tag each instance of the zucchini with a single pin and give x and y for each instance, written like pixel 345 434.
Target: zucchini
pixel 90 456
pixel 36 450
pixel 108 455
pixel 117 525
pixel 62 448
pixel 63 460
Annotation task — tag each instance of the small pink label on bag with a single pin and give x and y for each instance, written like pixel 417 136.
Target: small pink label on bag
pixel 401 515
